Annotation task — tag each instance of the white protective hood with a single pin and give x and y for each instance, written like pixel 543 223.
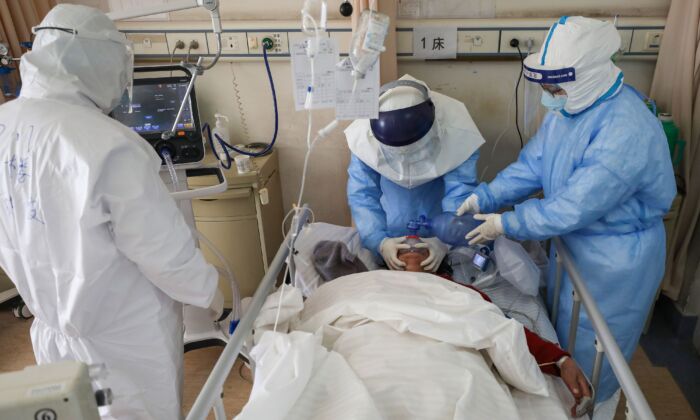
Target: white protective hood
pixel 453 138
pixel 587 45
pixel 89 234
pixel 93 66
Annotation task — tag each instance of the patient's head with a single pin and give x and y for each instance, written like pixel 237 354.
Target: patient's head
pixel 413 257
pixel 412 260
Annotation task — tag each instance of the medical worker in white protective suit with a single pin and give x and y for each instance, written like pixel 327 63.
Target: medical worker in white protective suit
pixel 89 234
pixel 602 160
pixel 417 158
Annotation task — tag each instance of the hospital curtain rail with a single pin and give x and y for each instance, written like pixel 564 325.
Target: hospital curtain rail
pixel 16 20
pixel 605 344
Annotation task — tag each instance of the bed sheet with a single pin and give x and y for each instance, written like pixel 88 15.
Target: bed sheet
pixel 528 310
pixel 328 364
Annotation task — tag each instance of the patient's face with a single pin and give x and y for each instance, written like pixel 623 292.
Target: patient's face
pixel 413 260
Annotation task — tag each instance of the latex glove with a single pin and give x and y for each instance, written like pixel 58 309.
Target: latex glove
pixel 216 307
pixel 389 248
pixel 437 250
pixel 491 229
pixel 575 380
pixel 470 205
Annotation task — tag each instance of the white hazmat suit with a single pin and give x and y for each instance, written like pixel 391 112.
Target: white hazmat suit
pixel 89 234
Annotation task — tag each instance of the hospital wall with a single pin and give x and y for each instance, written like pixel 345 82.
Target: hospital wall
pixel 486 87
pixel 240 90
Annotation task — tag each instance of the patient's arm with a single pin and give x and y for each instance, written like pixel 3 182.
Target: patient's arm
pixel 546 353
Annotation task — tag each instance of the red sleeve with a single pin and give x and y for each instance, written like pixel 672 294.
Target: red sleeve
pixel 544 351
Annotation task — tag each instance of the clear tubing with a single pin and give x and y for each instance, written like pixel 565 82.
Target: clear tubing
pixel 171 169
pixel 236 296
pixel 235 292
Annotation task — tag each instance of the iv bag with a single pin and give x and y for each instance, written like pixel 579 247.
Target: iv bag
pixel 368 41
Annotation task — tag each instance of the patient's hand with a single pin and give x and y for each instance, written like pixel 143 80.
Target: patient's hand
pixel 575 380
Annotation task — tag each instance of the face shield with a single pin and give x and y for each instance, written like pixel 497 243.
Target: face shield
pixel 576 57
pixel 403 122
pixel 406 130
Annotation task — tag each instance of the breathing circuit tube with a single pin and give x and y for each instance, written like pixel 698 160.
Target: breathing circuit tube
pixel 226 272
pixel 225 146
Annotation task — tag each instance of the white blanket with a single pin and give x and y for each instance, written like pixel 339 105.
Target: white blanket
pixel 395 345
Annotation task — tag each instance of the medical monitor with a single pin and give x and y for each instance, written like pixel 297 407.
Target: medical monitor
pixel 154 108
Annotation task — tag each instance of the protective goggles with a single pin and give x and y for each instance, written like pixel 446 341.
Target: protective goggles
pixel 404 126
pixel 113 36
pixel 550 77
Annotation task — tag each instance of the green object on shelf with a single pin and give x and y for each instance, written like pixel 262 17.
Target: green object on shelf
pixel 268 43
pixel 652 106
pixel 675 145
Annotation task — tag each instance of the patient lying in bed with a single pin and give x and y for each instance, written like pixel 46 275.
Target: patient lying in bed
pixel 396 345
pixel 551 358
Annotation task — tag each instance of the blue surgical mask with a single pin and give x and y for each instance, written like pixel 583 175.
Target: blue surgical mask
pixel 553 102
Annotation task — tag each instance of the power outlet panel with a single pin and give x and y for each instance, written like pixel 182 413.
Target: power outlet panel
pixel 231 43
pixel 149 43
pixel 477 42
pixel 646 41
pixel 537 36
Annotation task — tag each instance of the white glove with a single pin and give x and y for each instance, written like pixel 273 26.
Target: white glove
pixel 470 205
pixel 216 307
pixel 437 250
pixel 491 229
pixel 389 248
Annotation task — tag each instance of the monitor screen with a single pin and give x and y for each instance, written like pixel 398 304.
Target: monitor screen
pixel 154 108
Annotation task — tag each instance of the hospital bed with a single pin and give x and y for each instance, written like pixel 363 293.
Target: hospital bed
pixel 637 407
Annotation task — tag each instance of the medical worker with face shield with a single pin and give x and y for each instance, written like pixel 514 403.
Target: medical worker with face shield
pixel 89 234
pixel 417 158
pixel 602 160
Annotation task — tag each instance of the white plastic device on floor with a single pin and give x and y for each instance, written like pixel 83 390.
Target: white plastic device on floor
pixel 55 391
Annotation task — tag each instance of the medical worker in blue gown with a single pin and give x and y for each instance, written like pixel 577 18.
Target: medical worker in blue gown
pixel 417 158
pixel 602 160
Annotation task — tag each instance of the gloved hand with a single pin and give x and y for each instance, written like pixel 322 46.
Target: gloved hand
pixel 437 250
pixel 470 205
pixel 216 307
pixel 389 248
pixel 491 229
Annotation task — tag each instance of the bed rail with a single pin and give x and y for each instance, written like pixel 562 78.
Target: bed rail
pixel 210 395
pixel 605 344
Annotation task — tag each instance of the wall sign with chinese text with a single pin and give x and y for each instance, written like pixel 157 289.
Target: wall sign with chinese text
pixel 435 42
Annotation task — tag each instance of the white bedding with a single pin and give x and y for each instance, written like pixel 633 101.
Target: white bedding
pixel 395 345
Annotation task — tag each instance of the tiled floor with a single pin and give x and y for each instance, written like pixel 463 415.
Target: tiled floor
pixel 678 356
pixel 665 397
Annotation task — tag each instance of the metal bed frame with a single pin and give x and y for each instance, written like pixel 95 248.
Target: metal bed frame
pixel 209 397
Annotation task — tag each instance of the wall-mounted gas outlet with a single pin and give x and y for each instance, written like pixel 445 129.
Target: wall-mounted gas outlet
pixel 280 44
pixel 199 38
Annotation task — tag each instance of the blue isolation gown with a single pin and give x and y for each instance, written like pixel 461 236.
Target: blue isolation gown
pixel 608 181
pixel 382 208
